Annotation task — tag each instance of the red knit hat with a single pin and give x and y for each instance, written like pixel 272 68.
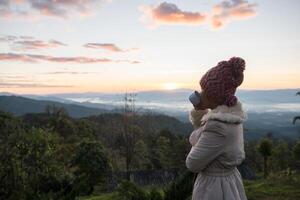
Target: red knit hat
pixel 221 81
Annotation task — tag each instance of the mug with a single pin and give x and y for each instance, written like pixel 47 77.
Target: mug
pixel 195 98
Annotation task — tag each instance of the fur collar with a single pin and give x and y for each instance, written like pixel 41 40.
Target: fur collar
pixel 232 114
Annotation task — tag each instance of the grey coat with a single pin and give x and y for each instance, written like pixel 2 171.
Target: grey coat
pixel 218 147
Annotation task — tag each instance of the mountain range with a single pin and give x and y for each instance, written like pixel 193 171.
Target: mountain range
pixel 269 111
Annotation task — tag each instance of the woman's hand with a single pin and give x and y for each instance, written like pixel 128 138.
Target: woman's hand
pixel 199 107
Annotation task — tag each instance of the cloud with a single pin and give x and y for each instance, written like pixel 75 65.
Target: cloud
pixel 17 81
pixel 168 13
pixel 227 11
pixel 108 47
pixel 221 14
pixel 8 38
pixel 23 43
pixel 26 37
pixel 35 58
pixel 67 72
pixel 52 8
pixel 31 85
pixel 36 44
pixel 13 78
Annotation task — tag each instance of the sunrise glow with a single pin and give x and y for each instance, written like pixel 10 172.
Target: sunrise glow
pixel 170 86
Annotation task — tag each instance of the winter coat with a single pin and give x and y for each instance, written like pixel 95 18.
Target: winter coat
pixel 218 147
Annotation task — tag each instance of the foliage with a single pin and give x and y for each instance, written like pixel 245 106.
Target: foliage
pixel 129 191
pixel 265 148
pixel 53 156
pixel 296 151
pixel 92 165
pixel 28 164
pixel 280 150
pixel 155 194
pixel 296 117
pixel 180 189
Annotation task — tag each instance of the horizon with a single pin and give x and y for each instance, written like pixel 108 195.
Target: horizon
pixel 141 91
pixel 63 47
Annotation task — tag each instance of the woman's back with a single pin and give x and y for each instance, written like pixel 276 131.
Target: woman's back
pixel 219 149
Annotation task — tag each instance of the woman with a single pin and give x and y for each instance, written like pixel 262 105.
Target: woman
pixel 217 139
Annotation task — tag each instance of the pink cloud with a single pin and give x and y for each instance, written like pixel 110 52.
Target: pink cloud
pixel 108 47
pixel 231 10
pixel 22 43
pixel 34 58
pixel 222 13
pixel 168 13
pixel 53 8
pixel 37 44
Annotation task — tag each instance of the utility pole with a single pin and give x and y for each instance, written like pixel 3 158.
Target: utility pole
pixel 128 117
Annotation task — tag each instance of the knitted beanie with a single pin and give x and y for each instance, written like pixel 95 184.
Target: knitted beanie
pixel 221 81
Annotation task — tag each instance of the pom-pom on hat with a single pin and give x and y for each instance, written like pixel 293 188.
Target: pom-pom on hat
pixel 221 81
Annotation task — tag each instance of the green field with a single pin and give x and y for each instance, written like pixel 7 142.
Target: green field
pixel 276 187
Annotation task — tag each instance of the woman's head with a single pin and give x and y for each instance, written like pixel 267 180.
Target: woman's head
pixel 220 82
pixel 206 102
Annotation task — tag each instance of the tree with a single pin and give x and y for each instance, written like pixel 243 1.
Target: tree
pixel 280 156
pixel 141 156
pixel 28 165
pixel 181 188
pixel 129 141
pixel 296 117
pixel 296 151
pixel 92 165
pixel 10 133
pixel 180 149
pixel 265 149
pixel 53 109
pixel 129 191
pixel 163 151
pixel 37 154
pixel 59 121
pixel 252 155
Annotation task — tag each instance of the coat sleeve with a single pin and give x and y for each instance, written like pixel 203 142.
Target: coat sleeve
pixel 209 146
pixel 194 136
pixel 195 117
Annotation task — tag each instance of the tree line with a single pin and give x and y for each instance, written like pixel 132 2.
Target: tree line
pixel 53 156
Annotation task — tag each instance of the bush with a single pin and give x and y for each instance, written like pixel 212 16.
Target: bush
pixel 181 188
pixel 129 191
pixel 154 194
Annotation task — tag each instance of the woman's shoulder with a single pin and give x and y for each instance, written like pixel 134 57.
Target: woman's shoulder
pixel 228 130
pixel 215 126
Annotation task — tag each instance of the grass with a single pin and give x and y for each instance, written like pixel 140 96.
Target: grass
pixel 109 196
pixel 276 187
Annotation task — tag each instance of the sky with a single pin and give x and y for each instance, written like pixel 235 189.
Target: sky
pixel 62 46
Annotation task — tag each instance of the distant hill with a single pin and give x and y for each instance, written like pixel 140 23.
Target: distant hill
pixel 269 111
pixel 21 105
pixel 277 125
pixel 149 123
pixel 175 102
